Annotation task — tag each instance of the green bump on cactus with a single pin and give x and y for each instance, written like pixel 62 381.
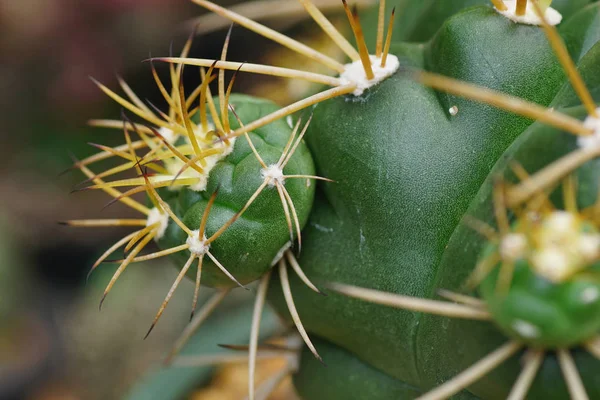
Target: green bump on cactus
pixel 543 290
pixel 249 247
pixel 234 206
pixel 364 72
pixel 541 314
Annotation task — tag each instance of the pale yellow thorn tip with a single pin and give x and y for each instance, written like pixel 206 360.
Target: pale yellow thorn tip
pixel 289 299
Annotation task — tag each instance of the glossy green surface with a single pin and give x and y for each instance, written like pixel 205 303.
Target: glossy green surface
pixel 345 377
pixel 406 173
pixel 248 247
pixel 348 378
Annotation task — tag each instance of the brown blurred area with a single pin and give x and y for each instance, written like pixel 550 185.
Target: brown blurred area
pixel 54 343
pixel 51 343
pixel 231 382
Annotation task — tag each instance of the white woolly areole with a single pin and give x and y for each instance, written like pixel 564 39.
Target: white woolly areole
pixel 561 223
pixel 530 17
pixel 169 135
pixel 553 263
pixel 563 248
pixel 280 253
pixel 589 246
pixel 174 165
pixel 273 174
pixel 513 247
pixel 290 121
pixel 355 73
pixel 590 295
pixel 593 140
pixel 526 329
pixel 197 247
pixel 162 219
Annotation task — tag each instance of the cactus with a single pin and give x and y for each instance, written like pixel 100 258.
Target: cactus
pixel 214 200
pixel 457 168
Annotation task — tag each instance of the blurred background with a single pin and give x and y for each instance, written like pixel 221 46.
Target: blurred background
pixel 54 343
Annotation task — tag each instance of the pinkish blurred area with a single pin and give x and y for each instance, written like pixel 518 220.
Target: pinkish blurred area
pixel 58 44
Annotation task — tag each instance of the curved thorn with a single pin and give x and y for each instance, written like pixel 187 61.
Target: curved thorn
pixel 296 266
pixel 165 302
pixel 289 299
pixel 225 271
pixel 273 35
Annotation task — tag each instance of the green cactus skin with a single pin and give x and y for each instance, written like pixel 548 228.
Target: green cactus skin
pixel 406 173
pixel 419 21
pixel 352 381
pixel 249 246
